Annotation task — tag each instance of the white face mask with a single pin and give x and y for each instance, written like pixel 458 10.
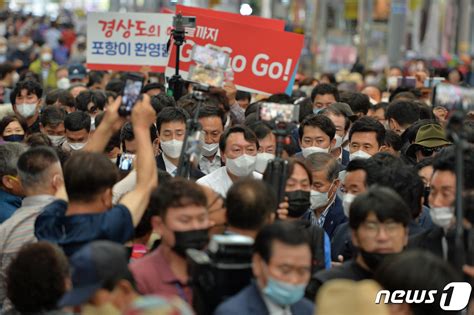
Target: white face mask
pixel 310 150
pixel 47 57
pixel 442 216
pixel 209 149
pixel 172 148
pixel 242 166
pixel 262 161
pixel 77 146
pixel 92 123
pixel 63 84
pixel 318 199
pixel 57 140
pixel 359 155
pixel 15 78
pixel 339 141
pixel 26 110
pixel 346 203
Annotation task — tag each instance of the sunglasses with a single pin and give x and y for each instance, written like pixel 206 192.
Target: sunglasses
pixel 426 152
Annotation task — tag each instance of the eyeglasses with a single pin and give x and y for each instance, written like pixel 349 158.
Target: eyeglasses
pixel 391 228
pixel 425 151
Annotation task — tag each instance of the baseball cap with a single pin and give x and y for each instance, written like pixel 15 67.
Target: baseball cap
pixel 345 109
pixel 77 71
pixel 428 136
pixel 92 266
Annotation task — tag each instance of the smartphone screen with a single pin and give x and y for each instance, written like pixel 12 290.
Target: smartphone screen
pixel 287 113
pixel 125 162
pixel 131 92
pixel 210 57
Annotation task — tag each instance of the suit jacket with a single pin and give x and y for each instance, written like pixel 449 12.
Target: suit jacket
pixel 250 302
pixel 334 217
pixel 195 173
pixel 345 158
pixel 432 241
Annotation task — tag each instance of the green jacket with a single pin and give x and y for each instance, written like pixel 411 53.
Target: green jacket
pixel 51 80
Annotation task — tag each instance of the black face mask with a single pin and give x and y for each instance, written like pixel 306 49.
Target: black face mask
pixel 426 194
pixel 373 260
pixel 299 203
pixel 193 239
pixel 14 138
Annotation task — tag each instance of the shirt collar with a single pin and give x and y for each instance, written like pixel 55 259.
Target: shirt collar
pixel 37 200
pixel 170 167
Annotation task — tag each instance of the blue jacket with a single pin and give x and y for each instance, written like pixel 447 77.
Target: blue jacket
pixel 249 302
pixel 8 204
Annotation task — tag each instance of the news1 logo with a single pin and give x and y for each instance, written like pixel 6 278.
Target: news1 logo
pixel 454 297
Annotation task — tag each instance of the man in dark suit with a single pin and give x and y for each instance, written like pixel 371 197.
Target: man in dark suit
pixel 326 207
pixel 171 127
pixel 281 264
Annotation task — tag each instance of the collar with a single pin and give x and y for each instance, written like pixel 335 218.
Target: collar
pixel 272 307
pixel 38 200
pixel 164 268
pixel 170 167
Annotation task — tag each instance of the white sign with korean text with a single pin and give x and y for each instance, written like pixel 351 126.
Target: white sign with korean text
pixel 128 41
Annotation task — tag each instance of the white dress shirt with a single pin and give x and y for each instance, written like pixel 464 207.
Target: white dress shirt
pixel 207 166
pixel 170 167
pixel 220 181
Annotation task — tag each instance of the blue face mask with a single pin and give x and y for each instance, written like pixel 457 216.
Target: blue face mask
pixel 317 110
pixel 283 293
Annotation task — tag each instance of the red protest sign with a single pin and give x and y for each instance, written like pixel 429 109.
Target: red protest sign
pixel 273 24
pixel 263 60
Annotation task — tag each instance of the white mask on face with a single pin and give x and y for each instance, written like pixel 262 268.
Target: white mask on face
pixel 318 199
pixel 346 203
pixel 442 216
pixel 77 146
pixel 26 110
pixel 63 84
pixel 359 155
pixel 46 57
pixel 57 140
pixel 262 161
pixel 242 166
pixel 310 150
pixel 172 148
pixel 339 141
pixel 209 149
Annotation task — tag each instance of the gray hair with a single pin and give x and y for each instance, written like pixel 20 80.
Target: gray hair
pixel 9 154
pixel 323 161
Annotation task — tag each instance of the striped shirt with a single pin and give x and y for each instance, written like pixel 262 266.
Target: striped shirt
pixel 17 231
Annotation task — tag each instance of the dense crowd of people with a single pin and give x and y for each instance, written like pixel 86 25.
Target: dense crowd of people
pixel 94 218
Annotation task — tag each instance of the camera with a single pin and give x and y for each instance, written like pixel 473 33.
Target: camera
pixel 220 272
pixel 211 66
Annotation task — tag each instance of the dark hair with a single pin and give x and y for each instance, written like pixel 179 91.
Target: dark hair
pixel 89 182
pixel 330 77
pixel 323 161
pixel 33 165
pixel 96 97
pixel 144 226
pixel 424 163
pixel 38 139
pixel 52 116
pixel 280 98
pixel 306 108
pixel 417 270
pixel 446 161
pixel 29 75
pixel 65 98
pixel 250 202
pixel 410 134
pixel 426 112
pixel 242 95
pixel 76 121
pixel 288 233
pixel 318 121
pixel 322 89
pixel 6 68
pixel 9 119
pixel 51 97
pixel 338 113
pixel 212 111
pixel 171 114
pixel 358 165
pixel 36 278
pixel 261 129
pixel 385 203
pixel 115 85
pixel 95 77
pixel 160 101
pixel 253 108
pixel 32 87
pixel 292 162
pixel 249 136
pixel 9 154
pixel 381 105
pixel 403 112
pixel 393 140
pixel 178 192
pixel 401 178
pixel 152 86
pixel 368 124
pixel 359 103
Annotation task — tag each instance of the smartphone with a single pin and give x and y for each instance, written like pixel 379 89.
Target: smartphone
pixel 409 82
pixel 273 112
pixel 125 162
pixel 210 57
pixel 453 97
pixel 130 94
pixel 206 76
pixel 432 82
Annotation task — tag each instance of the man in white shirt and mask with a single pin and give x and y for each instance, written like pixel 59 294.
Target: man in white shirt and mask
pixel 316 135
pixel 171 127
pixel 238 147
pixel 212 120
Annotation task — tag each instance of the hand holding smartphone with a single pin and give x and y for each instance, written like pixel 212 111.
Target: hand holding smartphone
pixel 130 94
